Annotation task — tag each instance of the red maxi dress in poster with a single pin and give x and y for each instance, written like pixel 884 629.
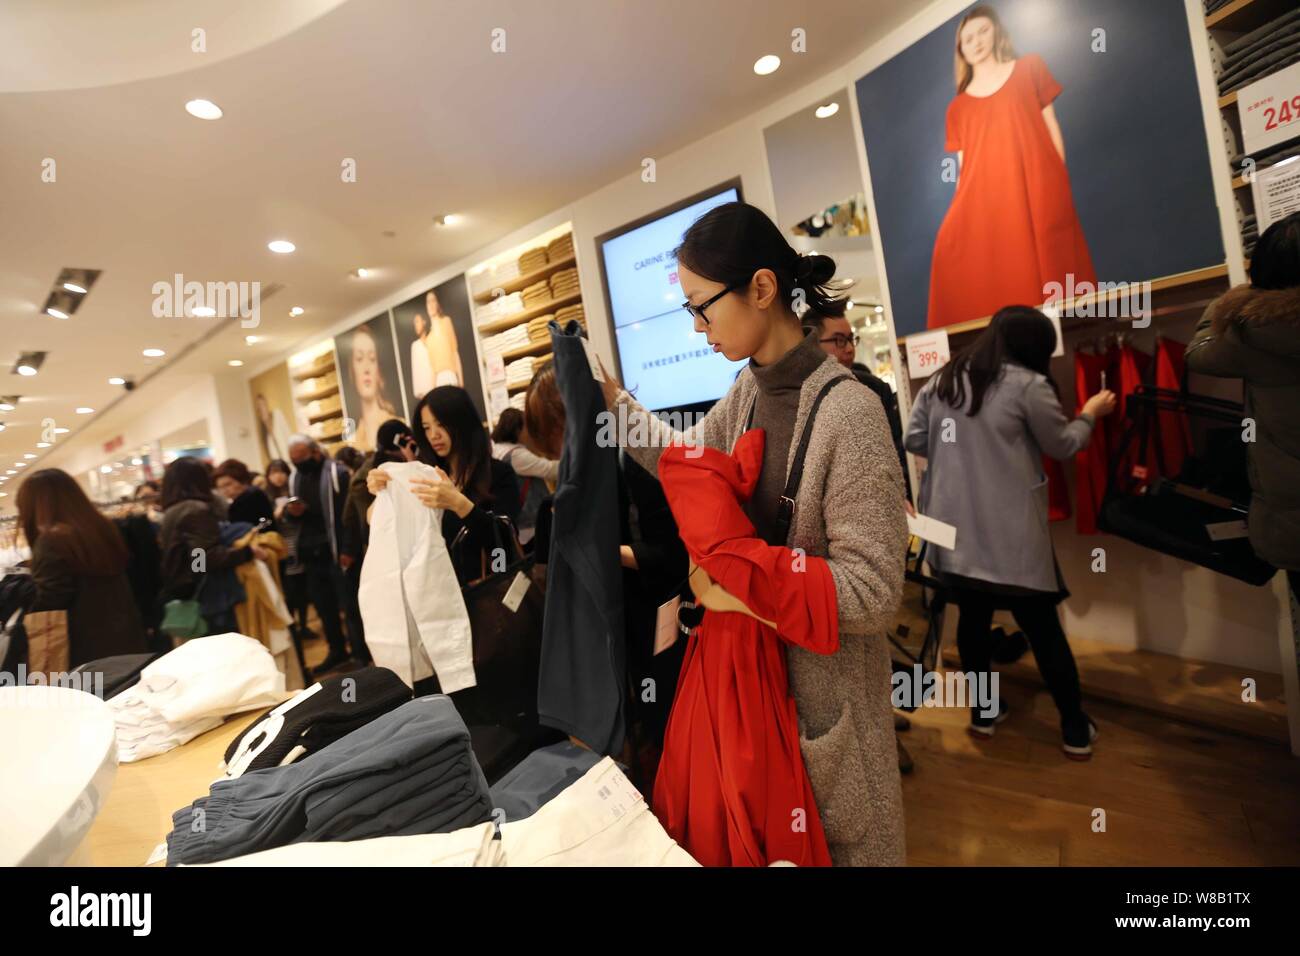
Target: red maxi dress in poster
pixel 732 788
pixel 1012 227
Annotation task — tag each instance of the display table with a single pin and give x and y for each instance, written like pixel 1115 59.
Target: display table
pixel 138 813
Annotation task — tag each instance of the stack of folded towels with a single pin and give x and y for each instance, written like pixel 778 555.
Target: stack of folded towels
pixel 510 340
pixel 536 294
pixel 518 399
pixel 532 260
pixel 538 328
pixel 488 279
pixel 564 282
pixel 191 690
pixel 314 718
pixel 408 771
pixel 520 371
pixel 499 308
pixel 561 248
pixel 571 313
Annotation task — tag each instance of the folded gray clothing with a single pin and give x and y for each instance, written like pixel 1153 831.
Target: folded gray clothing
pixel 539 778
pixel 1260 51
pixel 1265 66
pixel 296 803
pixel 1269 157
pixel 1246 41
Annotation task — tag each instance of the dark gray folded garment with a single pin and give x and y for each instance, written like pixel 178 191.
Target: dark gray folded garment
pixel 121 671
pixel 539 778
pixel 1233 51
pixel 1266 65
pixel 422 747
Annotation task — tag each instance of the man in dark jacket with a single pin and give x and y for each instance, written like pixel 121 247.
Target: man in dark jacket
pixel 318 490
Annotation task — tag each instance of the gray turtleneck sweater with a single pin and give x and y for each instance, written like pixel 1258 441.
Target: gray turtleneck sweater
pixel 775 408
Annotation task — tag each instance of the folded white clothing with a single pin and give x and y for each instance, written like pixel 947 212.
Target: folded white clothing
pixel 601 820
pixel 152 745
pixel 471 846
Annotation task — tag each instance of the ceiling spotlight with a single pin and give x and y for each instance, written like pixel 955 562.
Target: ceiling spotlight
pixel 879 309
pixel 29 363
pixel 360 273
pixel 73 287
pixel 83 410
pixel 2 426
pixel 204 311
pixel 282 246
pixel 203 109
pixel 42 444
pixel 20 464
pixel 234 363
pixel 116 381
pixel 827 110
pixel 152 353
pixel 29 456
pixel 767 64
pixel 62 431
pixel 56 313
pixel 450 219
pixel 251 340
pixel 296 311
pixel 8 403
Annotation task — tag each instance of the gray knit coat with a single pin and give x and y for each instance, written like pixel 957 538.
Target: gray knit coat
pixel 849 510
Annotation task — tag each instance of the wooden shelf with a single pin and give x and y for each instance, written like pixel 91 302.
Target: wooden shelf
pixel 536 348
pixel 1242 16
pixel 324 416
pixel 321 368
pixel 321 393
pixel 1226 101
pixel 519 387
pixel 527 279
pixel 510 321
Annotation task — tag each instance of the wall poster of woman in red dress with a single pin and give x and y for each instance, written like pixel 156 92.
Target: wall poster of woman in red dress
pixel 1012 230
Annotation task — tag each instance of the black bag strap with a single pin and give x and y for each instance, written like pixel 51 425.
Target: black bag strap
pixel 785 505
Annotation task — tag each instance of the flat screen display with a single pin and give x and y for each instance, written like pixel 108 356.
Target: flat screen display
pixel 662 359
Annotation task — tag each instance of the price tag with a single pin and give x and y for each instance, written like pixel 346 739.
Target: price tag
pixel 927 353
pixel 667 630
pixel 615 793
pixel 1270 110
pixel 594 362
pixel 1227 530
pixel 515 596
pixel 1277 191
pixel 496 369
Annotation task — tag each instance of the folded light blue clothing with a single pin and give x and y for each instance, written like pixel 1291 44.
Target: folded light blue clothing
pixel 408 771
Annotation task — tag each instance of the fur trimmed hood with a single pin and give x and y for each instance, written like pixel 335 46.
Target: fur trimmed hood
pixel 1256 307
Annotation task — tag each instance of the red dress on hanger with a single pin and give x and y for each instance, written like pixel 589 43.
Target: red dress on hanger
pixel 1175 435
pixel 1091 464
pixel 1012 226
pixel 731 786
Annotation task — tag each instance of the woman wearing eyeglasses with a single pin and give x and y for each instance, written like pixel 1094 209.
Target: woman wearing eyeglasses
pixel 743 283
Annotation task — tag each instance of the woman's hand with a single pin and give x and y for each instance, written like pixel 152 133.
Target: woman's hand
pixel 610 386
pixel 377 480
pixel 441 494
pixel 261 553
pixel 1101 404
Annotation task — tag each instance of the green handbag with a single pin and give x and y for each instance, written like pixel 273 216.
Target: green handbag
pixel 183 618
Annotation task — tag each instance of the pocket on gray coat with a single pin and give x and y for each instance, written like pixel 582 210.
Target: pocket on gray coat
pixel 839 779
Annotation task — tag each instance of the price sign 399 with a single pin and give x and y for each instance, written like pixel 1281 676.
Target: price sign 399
pixel 927 353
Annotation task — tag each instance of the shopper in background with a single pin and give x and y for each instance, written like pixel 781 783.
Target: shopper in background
pixel 78 565
pixel 537 475
pixel 983 424
pixel 247 503
pixel 1253 333
pixel 220 506
pixel 318 491
pixel 191 531
pixel 473 487
pixel 654 563
pixel 292 580
pixel 351 458
pixel 742 282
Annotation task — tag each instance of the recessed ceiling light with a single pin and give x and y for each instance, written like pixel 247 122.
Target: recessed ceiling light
pixel 234 363
pixel 116 381
pixel 42 444
pixel 153 353
pixel 29 456
pixel 56 313
pixel 830 109
pixel 251 340
pixel 204 311
pixel 361 273
pixel 83 410
pixel 73 287
pixel 26 370
pixel 203 109
pixel 767 64
pixel 879 309
pixel 282 246
pixel 6 406
pixel 450 219
pixel 20 464
pixel 62 431
pixel 11 472
pixel 296 311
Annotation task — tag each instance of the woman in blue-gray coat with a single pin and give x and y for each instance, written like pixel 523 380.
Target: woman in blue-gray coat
pixel 983 424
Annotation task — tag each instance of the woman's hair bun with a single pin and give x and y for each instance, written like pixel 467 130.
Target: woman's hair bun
pixel 816 269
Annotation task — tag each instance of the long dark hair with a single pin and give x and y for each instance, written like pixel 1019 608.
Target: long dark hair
pixel 731 242
pixel 1018 333
pixel 186 479
pixel 1275 263
pixel 508 426
pixel 278 464
pixel 386 441
pixel 50 502
pixel 451 406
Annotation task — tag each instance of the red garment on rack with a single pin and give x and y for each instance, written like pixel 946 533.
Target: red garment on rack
pixel 1058 491
pixel 732 788
pixel 1175 435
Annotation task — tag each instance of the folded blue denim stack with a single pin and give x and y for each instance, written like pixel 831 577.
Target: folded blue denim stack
pixel 409 771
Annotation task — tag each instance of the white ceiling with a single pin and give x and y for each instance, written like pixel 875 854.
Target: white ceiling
pixel 410 89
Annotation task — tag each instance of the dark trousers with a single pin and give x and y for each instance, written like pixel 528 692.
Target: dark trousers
pixel 1038 618
pixel 356 631
pixel 327 590
pixel 295 595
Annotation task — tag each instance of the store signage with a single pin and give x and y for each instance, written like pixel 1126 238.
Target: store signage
pixel 496 369
pixel 927 353
pixel 1270 110
pixel 1277 191
pixel 113 444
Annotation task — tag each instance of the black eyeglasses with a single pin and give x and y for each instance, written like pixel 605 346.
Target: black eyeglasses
pixel 698 310
pixel 841 340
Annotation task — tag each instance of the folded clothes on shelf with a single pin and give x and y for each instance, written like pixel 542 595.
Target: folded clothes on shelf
pixel 499 308
pixel 532 260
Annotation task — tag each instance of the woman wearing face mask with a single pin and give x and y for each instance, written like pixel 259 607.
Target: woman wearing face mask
pixel 742 282
pixel 473 487
pixel 1012 230
pixel 368 380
